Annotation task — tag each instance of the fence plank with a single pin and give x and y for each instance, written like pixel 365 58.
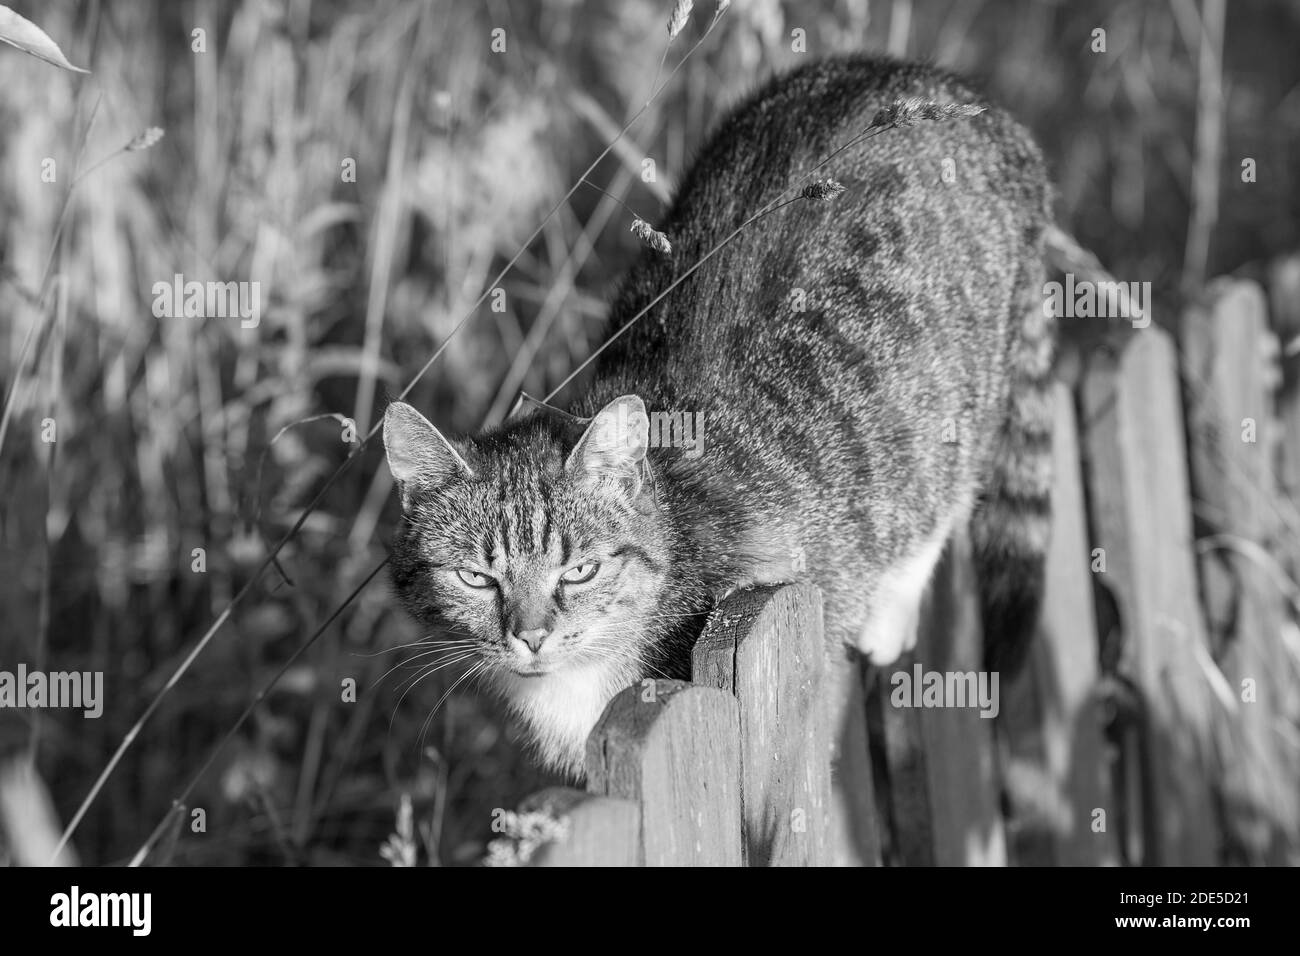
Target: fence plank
pixel 766 647
pixel 674 748
pixel 1231 429
pixel 906 796
pixel 1137 470
pixel 1053 709
pixel 943 780
pixel 855 822
pixel 1284 315
pixel 601 831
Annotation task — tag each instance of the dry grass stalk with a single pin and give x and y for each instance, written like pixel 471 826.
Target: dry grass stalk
pixel 400 849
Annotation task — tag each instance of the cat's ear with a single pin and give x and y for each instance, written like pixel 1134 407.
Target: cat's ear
pixel 418 456
pixel 614 446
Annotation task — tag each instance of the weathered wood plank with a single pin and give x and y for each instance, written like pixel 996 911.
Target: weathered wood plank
pixel 943 776
pixel 906 799
pixel 674 749
pixel 855 820
pixel 601 831
pixel 1053 709
pixel 1284 318
pixel 1137 470
pixel 765 646
pixel 962 769
pixel 1226 344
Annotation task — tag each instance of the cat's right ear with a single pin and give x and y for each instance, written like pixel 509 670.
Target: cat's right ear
pixel 418 456
pixel 614 447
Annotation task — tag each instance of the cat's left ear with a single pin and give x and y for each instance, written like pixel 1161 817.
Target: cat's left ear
pixel 418 456
pixel 614 446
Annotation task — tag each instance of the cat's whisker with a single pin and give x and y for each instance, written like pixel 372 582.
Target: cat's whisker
pixel 670 614
pixel 477 668
pixel 479 676
pixel 435 666
pixel 410 661
pixel 598 655
pixel 423 642
pixel 659 617
pixel 440 645
pixel 653 671
pixel 626 631
pixel 418 678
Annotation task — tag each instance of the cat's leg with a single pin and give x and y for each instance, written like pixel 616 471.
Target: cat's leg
pixel 894 613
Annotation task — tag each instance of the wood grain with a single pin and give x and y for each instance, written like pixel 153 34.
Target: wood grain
pixel 943 777
pixel 675 750
pixel 765 646
pixel 1226 342
pixel 1137 470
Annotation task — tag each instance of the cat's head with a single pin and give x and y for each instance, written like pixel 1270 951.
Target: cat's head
pixel 541 542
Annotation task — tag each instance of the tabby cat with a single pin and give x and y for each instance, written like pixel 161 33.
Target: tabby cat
pixel 867 375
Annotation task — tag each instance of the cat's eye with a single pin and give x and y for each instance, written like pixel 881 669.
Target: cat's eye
pixel 473 579
pixel 581 574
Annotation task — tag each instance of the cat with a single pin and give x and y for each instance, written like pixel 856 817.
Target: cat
pixel 870 373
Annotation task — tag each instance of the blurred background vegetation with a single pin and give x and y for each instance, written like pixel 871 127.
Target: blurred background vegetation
pixel 163 424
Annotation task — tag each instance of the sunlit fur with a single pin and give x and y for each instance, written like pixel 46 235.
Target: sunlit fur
pixel 869 371
pixel 524 518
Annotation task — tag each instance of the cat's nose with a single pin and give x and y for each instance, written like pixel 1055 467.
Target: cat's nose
pixel 533 637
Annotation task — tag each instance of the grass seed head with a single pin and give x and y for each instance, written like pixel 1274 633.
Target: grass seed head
pixel 146 139
pixel 823 190
pixel 681 13
pixel 905 112
pixel 651 236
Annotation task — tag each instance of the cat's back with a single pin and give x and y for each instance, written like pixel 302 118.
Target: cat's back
pixel 929 229
pixel 773 139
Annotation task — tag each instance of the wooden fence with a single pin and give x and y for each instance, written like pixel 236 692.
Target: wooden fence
pixel 1154 724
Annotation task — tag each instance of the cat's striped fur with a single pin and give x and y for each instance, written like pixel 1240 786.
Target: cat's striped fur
pixel 872 374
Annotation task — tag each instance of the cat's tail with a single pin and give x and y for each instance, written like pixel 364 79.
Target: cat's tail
pixel 1012 522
